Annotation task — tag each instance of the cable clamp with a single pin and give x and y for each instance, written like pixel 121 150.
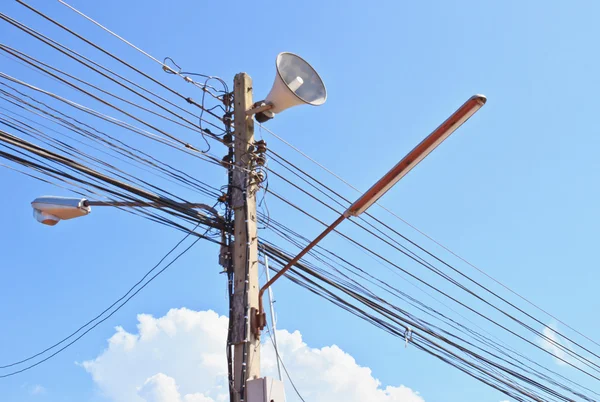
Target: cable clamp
pixel 407 336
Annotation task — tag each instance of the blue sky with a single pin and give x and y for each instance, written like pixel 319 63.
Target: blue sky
pixel 514 190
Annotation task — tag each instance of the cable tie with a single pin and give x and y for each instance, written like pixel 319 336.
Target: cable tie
pixel 407 336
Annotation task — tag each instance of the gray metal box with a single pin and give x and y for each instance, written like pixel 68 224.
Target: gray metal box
pixel 265 390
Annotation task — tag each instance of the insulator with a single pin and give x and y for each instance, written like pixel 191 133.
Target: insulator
pixel 226 161
pixel 227 99
pixel 261 160
pixel 261 146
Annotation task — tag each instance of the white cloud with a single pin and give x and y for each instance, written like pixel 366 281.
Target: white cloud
pixel 180 357
pixel 159 388
pixel 551 344
pixel 37 390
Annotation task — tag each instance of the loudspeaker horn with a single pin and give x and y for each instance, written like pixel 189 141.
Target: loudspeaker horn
pixel 296 83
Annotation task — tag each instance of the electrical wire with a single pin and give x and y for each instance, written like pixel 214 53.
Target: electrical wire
pixel 585 361
pixel 44 68
pixel 505 385
pixel 506 287
pixel 166 202
pixel 105 318
pixel 482 368
pixel 519 357
pixel 424 263
pixel 105 310
pixel 163 65
pixel 97 47
pixel 287 374
pixel 105 139
pixel 190 150
pixel 87 62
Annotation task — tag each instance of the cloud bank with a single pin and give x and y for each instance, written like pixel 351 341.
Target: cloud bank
pixel 180 357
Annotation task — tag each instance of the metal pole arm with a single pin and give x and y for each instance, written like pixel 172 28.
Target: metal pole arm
pixel 405 165
pixel 153 204
pixel 261 322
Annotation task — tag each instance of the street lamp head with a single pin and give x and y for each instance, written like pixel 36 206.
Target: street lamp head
pixel 50 210
pixel 296 83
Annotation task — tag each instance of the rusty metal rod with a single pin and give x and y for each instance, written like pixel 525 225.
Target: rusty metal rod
pixel 297 258
pixel 416 155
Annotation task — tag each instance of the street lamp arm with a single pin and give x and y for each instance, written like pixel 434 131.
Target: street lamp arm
pixel 50 210
pixel 294 260
pixel 405 165
pixel 151 204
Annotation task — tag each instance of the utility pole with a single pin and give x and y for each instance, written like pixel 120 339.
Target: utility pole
pixel 246 357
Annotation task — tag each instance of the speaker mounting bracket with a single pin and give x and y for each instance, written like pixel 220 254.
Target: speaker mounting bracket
pixel 259 107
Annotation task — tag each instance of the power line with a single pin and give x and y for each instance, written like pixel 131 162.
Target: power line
pixel 133 162
pixel 437 271
pixel 427 236
pixel 88 63
pixel 108 316
pixel 394 291
pixel 166 202
pixel 188 99
pixel 163 64
pixel 110 141
pixel 501 379
pixel 454 299
pixel 37 66
pixel 173 143
pixel 97 98
pixel 492 372
pixel 287 374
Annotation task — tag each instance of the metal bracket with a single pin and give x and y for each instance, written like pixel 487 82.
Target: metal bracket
pixel 259 107
pixel 258 321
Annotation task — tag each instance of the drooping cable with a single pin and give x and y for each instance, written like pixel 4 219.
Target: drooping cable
pixel 108 316
pixel 506 287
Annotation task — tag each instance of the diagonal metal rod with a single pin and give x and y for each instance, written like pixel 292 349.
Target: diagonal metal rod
pixel 405 165
pixel 297 258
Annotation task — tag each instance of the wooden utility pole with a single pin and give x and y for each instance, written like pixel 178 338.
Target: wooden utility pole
pixel 246 357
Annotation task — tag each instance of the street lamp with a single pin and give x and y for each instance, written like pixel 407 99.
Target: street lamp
pixel 462 114
pixel 50 210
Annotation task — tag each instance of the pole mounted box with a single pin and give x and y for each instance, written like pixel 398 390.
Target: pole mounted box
pixel 265 389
